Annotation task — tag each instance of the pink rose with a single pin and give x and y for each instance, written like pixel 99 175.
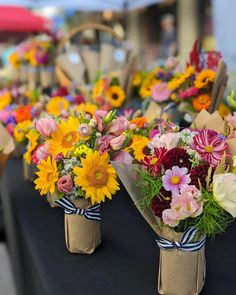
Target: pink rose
pixel 46 126
pixel 117 142
pixel 118 126
pixel 99 117
pixel 65 184
pixel 168 140
pixel 42 152
pixel 104 143
pixel 161 92
pixel 170 217
pixel 123 157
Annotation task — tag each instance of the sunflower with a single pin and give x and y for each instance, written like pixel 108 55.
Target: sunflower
pixel 5 99
pixel 204 78
pixel 21 129
pixel 176 82
pixel 65 137
pixel 56 105
pixel 224 110
pixel 137 80
pixel 146 87
pixel 141 149
pixel 33 137
pixel 115 95
pixel 47 176
pixel 98 89
pixel 87 108
pixel 14 60
pixel 202 102
pixel 189 72
pixel 96 177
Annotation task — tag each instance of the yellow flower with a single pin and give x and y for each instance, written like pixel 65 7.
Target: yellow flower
pixel 87 108
pixel 56 105
pixel 82 150
pixel 98 89
pixel 146 87
pixel 204 78
pixel 115 95
pixel 21 129
pixel 140 148
pixel 189 72
pixel 137 79
pixel 33 137
pixel 47 176
pixel 14 60
pixel 96 177
pixel 30 56
pixel 176 82
pixel 224 110
pixel 64 139
pixel 5 99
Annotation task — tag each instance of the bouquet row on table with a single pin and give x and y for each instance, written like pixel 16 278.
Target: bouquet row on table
pixel 33 61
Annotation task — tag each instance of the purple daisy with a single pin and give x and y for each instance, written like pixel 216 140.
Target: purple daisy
pixel 175 178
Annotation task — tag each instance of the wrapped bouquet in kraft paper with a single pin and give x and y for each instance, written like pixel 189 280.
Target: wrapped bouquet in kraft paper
pixel 184 185
pixel 74 168
pixel 7 147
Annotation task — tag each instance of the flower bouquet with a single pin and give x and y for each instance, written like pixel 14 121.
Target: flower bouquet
pixel 185 189
pixel 74 163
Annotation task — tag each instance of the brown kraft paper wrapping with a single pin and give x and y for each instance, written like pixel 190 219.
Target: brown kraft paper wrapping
pixel 7 147
pixel 46 77
pixel 51 198
pixel 29 171
pixel 81 234
pixel 180 272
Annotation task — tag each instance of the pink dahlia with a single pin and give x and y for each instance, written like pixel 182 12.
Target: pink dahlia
pixel 210 147
pixel 161 92
pixel 175 178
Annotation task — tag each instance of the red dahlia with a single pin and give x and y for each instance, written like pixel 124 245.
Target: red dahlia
pixel 153 163
pixel 176 157
pixel 199 173
pixel 161 202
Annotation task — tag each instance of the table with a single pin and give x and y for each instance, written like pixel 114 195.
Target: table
pixel 125 264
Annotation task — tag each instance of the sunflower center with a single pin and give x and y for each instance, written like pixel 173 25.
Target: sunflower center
pixel 49 176
pixel 115 96
pixel 69 139
pixel 98 177
pixel 175 180
pixel 146 151
pixel 209 149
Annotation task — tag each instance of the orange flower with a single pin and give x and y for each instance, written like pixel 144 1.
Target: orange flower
pixel 23 113
pixel 201 102
pixel 139 122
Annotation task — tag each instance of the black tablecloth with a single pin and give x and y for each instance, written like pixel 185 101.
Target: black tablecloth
pixel 125 264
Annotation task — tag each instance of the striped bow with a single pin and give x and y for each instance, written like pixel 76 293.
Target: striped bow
pixel 185 244
pixel 92 213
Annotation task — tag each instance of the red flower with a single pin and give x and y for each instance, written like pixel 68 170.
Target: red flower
pixel 176 157
pixel 199 173
pixel 152 163
pixel 210 147
pixel 23 113
pixel 161 202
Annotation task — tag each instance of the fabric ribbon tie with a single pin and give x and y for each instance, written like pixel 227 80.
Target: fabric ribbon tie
pixel 92 213
pixel 186 243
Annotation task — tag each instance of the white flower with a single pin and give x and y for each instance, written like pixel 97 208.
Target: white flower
pixel 224 191
pixel 168 140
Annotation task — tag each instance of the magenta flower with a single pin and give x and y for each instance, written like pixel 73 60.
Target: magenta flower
pixel 210 147
pixel 161 92
pixel 192 91
pixel 175 178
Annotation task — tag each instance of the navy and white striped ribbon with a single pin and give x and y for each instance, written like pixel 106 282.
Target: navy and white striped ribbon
pixel 185 244
pixel 92 213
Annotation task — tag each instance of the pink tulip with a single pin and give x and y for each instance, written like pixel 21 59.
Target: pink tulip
pixel 42 152
pixel 123 157
pixel 65 184
pixel 99 117
pixel 46 126
pixel 117 142
pixel 118 126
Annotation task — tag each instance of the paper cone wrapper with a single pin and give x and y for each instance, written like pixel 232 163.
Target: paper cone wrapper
pixel 29 171
pixel 46 77
pixel 33 77
pixel 91 60
pixel 51 198
pixel 72 65
pixel 82 235
pixel 7 143
pixel 180 272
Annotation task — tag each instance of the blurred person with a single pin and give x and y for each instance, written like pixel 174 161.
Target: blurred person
pixel 168 36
